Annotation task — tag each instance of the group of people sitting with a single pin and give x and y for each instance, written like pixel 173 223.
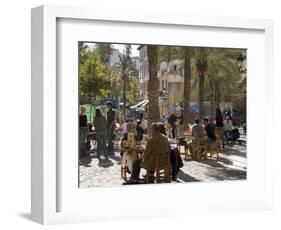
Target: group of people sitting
pixel 134 133
pixel 213 129
pixel 209 130
pixel 157 144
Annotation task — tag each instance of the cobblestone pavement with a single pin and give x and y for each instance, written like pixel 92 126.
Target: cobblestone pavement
pixel 231 165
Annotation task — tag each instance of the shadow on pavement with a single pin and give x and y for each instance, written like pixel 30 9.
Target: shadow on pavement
pixel 105 163
pixel 185 177
pixel 227 174
pixel 116 158
pixel 234 150
pixel 85 161
pixel 216 163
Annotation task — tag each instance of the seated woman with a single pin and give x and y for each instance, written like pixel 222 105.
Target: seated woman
pixel 128 143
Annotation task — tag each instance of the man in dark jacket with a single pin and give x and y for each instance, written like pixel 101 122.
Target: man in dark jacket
pixel 210 130
pixel 110 125
pixel 172 119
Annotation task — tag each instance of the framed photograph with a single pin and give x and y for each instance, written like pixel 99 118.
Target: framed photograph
pixel 143 114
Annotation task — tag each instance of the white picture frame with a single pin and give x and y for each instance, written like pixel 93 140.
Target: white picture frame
pixel 46 182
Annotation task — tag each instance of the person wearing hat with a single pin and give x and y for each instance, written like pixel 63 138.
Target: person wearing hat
pixel 110 125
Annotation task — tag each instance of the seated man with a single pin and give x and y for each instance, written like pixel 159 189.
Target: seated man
pixel 157 144
pixel 197 131
pixel 210 131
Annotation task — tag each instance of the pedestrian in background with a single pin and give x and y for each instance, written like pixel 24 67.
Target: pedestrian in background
pixel 83 131
pixel 110 128
pixel 100 128
pixel 172 120
pixel 219 125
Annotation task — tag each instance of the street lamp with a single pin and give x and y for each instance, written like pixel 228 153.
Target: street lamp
pixel 163 95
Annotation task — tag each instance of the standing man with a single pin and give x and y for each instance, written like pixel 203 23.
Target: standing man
pixel 172 120
pixel 219 125
pixel 110 125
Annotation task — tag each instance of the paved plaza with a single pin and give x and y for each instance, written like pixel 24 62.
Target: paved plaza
pixel 231 165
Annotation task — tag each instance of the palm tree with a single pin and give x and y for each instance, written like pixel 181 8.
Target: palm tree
pixel 200 55
pixel 128 50
pixel 115 81
pixel 125 67
pixel 167 53
pixel 187 87
pixel 153 85
pixel 223 75
pixel 104 51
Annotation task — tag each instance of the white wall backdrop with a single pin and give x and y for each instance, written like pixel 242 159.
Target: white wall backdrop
pixel 15 111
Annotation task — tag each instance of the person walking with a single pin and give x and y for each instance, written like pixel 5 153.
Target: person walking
pixel 100 128
pixel 219 125
pixel 172 120
pixel 83 131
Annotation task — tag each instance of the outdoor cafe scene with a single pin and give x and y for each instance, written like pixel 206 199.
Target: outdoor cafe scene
pixel 152 114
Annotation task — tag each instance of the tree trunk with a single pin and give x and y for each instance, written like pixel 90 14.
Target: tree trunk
pixel 218 95
pixel 201 69
pixel 187 88
pixel 213 99
pixel 201 94
pixel 201 66
pixel 153 85
pixel 124 97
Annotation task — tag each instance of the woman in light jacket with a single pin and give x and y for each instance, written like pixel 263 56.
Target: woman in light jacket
pixel 100 128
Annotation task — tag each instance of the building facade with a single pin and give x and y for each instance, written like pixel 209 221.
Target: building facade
pixel 143 71
pixel 114 57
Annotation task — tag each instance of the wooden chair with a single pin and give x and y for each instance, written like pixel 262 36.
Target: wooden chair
pixel 124 171
pixel 162 170
pixel 185 152
pixel 188 137
pixel 124 162
pixel 214 148
pixel 199 149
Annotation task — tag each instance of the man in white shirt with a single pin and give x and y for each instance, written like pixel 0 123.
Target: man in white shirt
pixel 228 128
pixel 227 124
pixel 143 124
